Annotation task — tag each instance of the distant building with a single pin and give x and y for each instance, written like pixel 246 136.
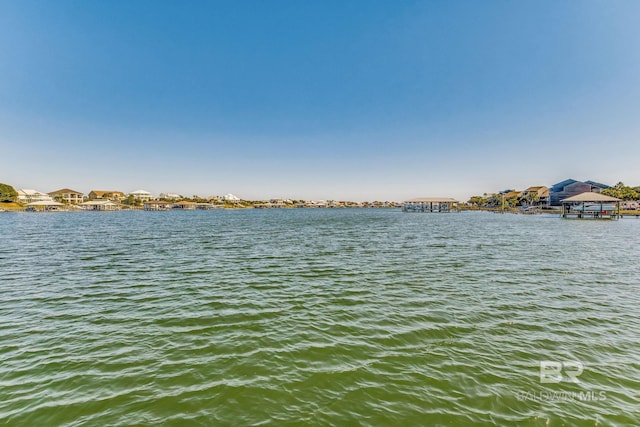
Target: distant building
pixel 511 194
pixel 106 195
pixel 26 195
pixel 230 198
pixel 68 196
pixel 596 187
pixel 430 204
pixel 571 187
pixel 170 196
pixel 540 191
pixel 141 195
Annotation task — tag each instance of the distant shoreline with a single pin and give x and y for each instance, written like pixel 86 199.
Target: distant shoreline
pixel 23 209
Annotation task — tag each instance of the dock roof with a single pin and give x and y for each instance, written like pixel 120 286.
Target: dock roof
pixel 99 203
pixel 589 196
pixel 44 203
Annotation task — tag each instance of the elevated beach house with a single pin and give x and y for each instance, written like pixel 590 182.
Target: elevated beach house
pixel 536 196
pixel 68 196
pixel 26 195
pixel 141 195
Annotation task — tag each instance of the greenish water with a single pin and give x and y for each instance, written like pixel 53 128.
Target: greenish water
pixel 316 317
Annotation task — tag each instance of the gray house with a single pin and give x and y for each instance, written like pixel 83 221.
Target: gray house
pixel 571 187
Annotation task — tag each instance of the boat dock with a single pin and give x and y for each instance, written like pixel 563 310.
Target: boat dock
pixel 431 205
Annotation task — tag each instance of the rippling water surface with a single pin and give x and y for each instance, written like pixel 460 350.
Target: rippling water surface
pixel 317 317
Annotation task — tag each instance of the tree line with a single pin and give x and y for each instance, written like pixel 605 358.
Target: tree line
pixel 620 191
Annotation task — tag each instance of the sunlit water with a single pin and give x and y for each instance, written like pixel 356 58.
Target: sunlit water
pixel 317 317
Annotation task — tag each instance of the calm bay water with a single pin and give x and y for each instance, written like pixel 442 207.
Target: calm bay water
pixel 317 317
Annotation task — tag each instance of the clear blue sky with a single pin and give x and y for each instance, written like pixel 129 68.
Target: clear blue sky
pixel 343 99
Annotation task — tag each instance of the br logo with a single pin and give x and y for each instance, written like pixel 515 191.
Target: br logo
pixel 555 372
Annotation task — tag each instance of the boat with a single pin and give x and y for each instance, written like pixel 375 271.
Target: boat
pixel 594 207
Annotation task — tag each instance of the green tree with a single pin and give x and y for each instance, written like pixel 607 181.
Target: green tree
pixel 8 193
pixel 478 201
pixel 495 200
pixel 512 201
pixel 531 198
pixel 622 191
pixel 130 200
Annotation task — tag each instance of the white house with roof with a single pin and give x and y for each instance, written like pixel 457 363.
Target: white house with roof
pixel 230 198
pixel 170 196
pixel 142 195
pixel 26 195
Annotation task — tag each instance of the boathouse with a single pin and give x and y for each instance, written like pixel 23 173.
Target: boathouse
pixel 185 205
pixel 590 205
pixel 100 205
pixel 157 205
pixel 43 206
pixel 430 204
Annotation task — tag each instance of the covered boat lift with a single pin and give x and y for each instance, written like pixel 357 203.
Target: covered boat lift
pixel 43 206
pixel 591 205
pixel 100 205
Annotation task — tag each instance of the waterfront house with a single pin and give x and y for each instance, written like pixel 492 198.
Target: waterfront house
pixel 591 205
pixel 115 196
pixel 170 196
pixel 68 196
pixel 571 187
pixel 512 194
pixel 141 195
pixel 26 195
pixel 540 192
pixel 430 204
pixel 316 204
